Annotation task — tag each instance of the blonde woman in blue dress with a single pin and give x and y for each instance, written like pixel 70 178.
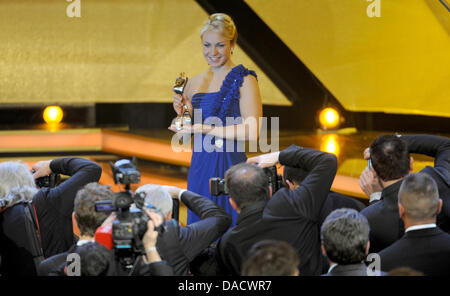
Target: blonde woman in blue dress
pixel 223 90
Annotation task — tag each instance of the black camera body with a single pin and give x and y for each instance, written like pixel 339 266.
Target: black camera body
pixel 49 181
pixel 126 172
pixel 131 223
pixel 218 186
pixel 275 179
pixel 128 228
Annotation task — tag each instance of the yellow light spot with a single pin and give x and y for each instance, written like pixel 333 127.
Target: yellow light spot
pixel 329 118
pixel 330 144
pixel 53 114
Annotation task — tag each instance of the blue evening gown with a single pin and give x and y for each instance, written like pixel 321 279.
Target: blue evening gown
pixel 206 164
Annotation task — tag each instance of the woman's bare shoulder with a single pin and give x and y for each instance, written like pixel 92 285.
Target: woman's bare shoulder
pixel 199 77
pixel 194 83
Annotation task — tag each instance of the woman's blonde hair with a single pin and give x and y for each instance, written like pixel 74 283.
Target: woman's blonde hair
pixel 223 24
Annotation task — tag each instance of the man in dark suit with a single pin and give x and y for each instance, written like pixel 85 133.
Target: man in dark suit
pixel 290 216
pixel 345 242
pixel 179 245
pixel 389 163
pixel 424 247
pixel 293 177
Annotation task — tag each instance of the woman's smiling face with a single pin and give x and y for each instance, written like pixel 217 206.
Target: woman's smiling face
pixel 216 49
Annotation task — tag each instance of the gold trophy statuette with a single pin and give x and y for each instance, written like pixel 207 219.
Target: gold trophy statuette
pixel 185 117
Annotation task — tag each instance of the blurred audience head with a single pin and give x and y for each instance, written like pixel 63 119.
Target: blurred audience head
pixel 404 271
pixel 16 183
pixel 390 157
pixel 158 197
pixel 271 258
pixel 345 236
pixel 86 217
pixel 418 199
pixel 246 184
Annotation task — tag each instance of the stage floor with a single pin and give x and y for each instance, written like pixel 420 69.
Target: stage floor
pixel 159 164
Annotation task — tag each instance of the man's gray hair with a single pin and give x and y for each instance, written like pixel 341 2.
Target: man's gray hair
pixel 344 235
pixel 158 196
pixel 419 195
pixel 16 183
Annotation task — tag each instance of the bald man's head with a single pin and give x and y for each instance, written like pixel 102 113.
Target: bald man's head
pixel 419 197
pixel 247 184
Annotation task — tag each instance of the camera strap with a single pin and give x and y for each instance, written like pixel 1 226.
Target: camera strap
pixel 35 220
pixel 38 228
pixel 32 230
pixel 140 251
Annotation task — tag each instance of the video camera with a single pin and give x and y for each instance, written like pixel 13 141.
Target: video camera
pixel 218 186
pixel 131 223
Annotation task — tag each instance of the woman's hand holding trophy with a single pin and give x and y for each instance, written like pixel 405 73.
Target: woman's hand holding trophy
pixel 182 105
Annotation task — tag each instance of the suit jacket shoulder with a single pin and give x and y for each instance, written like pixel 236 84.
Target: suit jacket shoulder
pixel 425 250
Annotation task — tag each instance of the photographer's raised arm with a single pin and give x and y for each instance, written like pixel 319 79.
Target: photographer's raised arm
pixel 309 197
pixel 434 146
pixel 81 172
pixel 214 222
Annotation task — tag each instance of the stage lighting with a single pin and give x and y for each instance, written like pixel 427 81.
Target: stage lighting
pixel 330 144
pixel 329 118
pixel 53 114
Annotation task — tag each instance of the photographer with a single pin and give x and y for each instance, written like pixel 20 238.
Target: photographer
pixel 293 177
pixel 290 216
pixel 50 207
pixel 97 260
pixel 389 162
pixel 87 219
pixel 180 245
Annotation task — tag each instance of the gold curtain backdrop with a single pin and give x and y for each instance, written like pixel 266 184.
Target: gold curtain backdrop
pixel 117 51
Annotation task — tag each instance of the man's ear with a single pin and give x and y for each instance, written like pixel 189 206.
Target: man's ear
pixel 290 185
pixel 323 250
pixel 373 172
pixel 367 248
pixel 401 211
pixel 439 206
pixel 234 205
pixel 75 228
pixel 411 161
pixel 169 216
pixel 270 191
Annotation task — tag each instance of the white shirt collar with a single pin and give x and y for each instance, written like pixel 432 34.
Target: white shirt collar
pixel 84 241
pixel 421 226
pixel 331 267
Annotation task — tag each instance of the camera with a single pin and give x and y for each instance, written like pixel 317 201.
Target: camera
pixel 129 226
pixel 126 172
pixel 218 186
pixel 49 181
pixel 131 222
pixel 275 179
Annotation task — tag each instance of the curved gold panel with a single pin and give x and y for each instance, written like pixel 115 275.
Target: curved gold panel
pixel 398 62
